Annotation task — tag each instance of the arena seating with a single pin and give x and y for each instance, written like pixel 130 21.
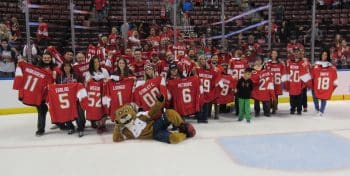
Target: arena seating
pixel 332 20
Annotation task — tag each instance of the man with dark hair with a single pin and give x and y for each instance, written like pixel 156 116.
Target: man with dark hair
pixel 7 59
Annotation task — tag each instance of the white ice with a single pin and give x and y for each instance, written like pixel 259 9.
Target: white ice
pixel 59 154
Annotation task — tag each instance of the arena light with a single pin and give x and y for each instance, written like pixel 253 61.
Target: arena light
pixel 36 6
pixel 82 12
pixel 243 14
pixel 241 30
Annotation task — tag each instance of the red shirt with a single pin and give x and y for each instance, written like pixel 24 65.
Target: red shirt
pixel 94 109
pixel 324 81
pixel 139 70
pixel 42 32
pixel 62 99
pixel 226 93
pixel 80 70
pixel 99 4
pixel 145 96
pixel 185 95
pixel 32 83
pixel 117 94
pixel 112 42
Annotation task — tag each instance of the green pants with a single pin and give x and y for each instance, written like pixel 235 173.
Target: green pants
pixel 244 107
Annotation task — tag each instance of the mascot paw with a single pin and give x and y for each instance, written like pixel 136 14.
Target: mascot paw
pixel 188 129
pixel 160 98
pixel 176 137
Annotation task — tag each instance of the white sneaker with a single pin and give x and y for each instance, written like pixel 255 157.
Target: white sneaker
pixel 316 113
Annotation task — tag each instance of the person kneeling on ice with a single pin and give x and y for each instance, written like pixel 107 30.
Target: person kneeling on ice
pixel 150 124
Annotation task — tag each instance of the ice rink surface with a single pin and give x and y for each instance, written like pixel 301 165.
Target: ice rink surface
pixel 281 145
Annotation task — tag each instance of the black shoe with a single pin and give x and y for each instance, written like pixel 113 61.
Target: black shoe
pixel 202 121
pixel 81 134
pixel 93 125
pixel 257 114
pixel 292 112
pixel 299 113
pixel 71 131
pixel 267 115
pixel 39 133
pixel 273 112
pixel 239 120
pixel 101 129
pixel 216 118
pixel 248 121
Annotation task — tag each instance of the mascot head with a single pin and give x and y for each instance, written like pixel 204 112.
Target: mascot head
pixel 125 114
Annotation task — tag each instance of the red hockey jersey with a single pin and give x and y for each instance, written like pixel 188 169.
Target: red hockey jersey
pixel 279 75
pixel 226 91
pixel 263 89
pixel 62 100
pixel 117 94
pixel 145 95
pixel 94 109
pixel 209 80
pixel 298 75
pixel 32 83
pixel 185 95
pixel 324 81
pixel 237 67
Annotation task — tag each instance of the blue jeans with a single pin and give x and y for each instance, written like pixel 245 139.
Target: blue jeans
pixel 317 104
pixel 160 129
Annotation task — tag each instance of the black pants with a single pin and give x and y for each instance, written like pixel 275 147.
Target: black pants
pixel 304 98
pixel 42 111
pixel 274 104
pixel 202 115
pixel 295 103
pixel 81 118
pixel 266 107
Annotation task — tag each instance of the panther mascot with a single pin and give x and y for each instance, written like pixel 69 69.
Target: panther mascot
pixel 152 124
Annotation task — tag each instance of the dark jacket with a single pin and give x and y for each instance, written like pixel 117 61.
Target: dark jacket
pixel 244 88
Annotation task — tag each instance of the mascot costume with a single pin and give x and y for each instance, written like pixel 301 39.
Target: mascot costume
pixel 151 124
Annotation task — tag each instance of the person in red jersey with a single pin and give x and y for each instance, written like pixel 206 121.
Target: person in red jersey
pixel 32 82
pixel 214 63
pixel 184 92
pixel 113 40
pixel 324 79
pixel 209 80
pixel 291 45
pixel 42 34
pixel 68 76
pixel 252 49
pixel 137 66
pixel 146 91
pixel 225 93
pixel 153 38
pixel 298 77
pixel 80 67
pixel 237 65
pixel 278 71
pixel 263 90
pixel 94 85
